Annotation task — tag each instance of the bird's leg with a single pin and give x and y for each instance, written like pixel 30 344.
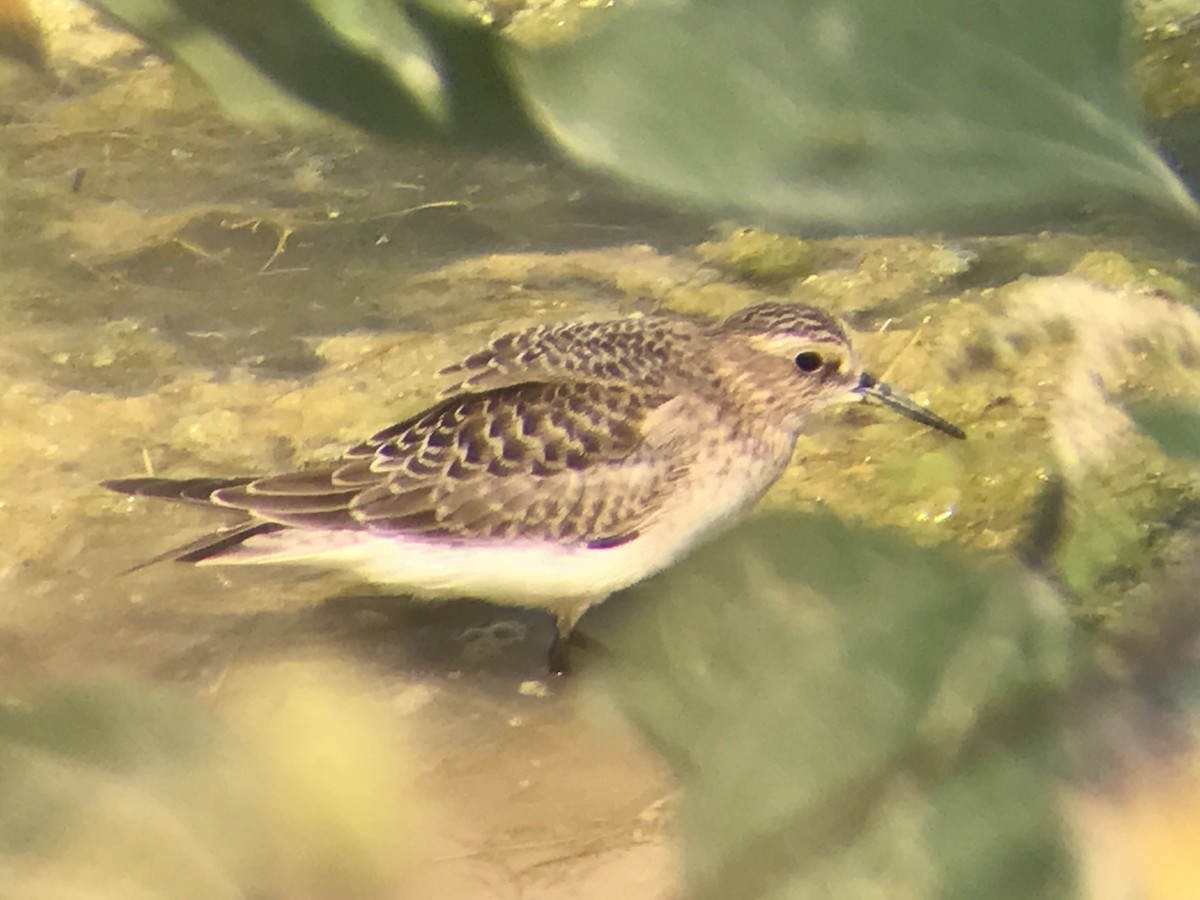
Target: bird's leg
pixel 565 618
pixel 556 661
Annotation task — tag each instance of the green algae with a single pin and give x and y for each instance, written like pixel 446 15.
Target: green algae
pixel 1114 269
pixel 1165 69
pixel 762 256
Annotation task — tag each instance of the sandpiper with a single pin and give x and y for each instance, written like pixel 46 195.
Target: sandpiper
pixel 567 462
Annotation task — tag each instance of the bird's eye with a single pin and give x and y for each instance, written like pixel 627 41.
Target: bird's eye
pixel 809 361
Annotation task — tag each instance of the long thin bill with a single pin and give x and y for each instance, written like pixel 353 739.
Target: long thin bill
pixel 869 388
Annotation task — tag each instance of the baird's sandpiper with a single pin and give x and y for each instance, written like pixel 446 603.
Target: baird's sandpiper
pixel 567 462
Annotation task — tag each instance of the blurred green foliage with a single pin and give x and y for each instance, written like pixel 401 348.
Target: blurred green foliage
pixel 298 788
pixel 861 115
pixel 852 715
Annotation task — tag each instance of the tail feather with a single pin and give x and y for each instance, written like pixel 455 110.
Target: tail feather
pixel 196 491
pixel 217 543
pixel 211 546
pixel 180 490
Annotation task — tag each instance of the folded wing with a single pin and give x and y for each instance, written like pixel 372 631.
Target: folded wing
pixel 559 461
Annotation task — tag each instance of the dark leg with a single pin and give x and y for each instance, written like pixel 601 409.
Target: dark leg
pixel 564 636
pixel 557 660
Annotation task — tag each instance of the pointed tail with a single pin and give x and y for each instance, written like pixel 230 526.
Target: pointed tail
pixel 197 491
pixel 180 490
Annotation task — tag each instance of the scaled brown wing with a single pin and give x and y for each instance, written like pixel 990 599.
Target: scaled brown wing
pixel 562 461
pixel 641 351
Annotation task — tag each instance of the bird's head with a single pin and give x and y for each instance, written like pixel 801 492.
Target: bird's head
pixel 796 359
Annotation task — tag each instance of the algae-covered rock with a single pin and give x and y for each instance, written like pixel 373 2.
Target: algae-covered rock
pixel 1165 68
pixel 762 256
pixel 1116 270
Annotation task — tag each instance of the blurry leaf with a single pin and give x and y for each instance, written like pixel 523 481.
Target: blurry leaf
pixel 1176 429
pixel 339 782
pixel 859 114
pixel 863 114
pixel 118 790
pixel 20 35
pixel 234 74
pixel 851 715
pixel 1134 793
pixel 117 728
pixel 123 790
pixel 385 66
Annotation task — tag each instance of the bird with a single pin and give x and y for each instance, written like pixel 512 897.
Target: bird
pixel 567 461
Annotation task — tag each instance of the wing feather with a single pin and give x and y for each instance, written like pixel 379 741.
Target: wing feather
pixel 563 461
pixel 643 351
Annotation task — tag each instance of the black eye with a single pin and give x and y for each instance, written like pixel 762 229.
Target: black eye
pixel 809 361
